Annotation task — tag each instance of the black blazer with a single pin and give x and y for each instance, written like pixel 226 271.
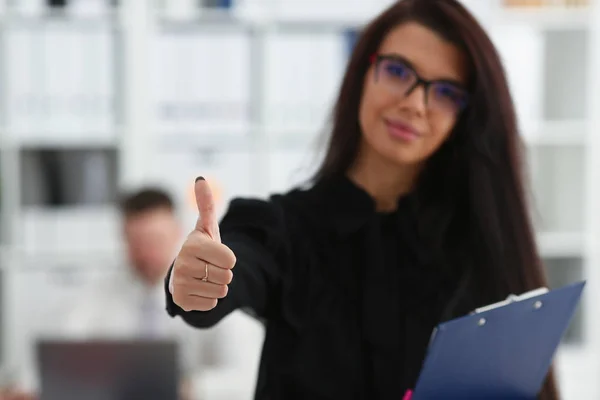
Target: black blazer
pixel 349 296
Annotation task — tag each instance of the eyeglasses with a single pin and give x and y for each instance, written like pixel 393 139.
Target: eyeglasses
pixel 395 73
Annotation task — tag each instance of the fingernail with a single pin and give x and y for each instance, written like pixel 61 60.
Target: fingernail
pixel 200 178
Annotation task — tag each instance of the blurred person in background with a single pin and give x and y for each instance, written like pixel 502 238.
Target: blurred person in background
pixel 417 215
pixel 131 305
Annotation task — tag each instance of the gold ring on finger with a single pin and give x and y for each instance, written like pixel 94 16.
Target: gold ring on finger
pixel 205 279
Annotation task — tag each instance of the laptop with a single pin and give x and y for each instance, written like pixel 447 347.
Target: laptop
pixel 108 369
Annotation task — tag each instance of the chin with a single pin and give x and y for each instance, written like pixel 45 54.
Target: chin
pixel 400 155
pixel 388 153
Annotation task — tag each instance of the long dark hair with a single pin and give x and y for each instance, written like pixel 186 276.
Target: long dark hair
pixel 471 194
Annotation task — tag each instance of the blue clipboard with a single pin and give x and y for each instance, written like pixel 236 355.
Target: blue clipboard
pixel 503 351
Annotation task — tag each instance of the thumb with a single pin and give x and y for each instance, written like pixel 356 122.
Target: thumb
pixel 207 216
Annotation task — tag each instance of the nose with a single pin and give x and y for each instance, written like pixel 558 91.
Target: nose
pixel 416 98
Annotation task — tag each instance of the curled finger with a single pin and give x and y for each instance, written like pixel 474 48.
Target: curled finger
pixel 212 273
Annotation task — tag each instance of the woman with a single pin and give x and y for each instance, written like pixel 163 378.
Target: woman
pixel 417 215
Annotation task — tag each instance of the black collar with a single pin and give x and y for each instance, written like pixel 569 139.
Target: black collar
pixel 345 207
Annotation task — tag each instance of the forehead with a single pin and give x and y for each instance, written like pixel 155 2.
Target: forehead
pixel 148 220
pixel 432 56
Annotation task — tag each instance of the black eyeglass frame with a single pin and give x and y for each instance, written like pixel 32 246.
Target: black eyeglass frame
pixel 376 60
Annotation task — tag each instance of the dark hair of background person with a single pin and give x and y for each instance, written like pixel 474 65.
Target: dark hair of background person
pixel 145 199
pixel 473 211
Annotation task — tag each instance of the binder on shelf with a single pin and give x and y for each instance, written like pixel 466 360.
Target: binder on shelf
pixel 56 3
pixel 351 35
pixel 202 80
pixel 300 92
pixel 223 4
pixel 60 85
pixel 502 351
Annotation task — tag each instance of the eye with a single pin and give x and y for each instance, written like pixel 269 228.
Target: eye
pixel 397 70
pixel 449 93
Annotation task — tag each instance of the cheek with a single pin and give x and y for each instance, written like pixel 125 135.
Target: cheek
pixel 442 127
pixel 371 110
pixel 440 130
pixel 365 112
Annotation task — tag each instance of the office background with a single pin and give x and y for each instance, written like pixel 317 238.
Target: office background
pixel 98 96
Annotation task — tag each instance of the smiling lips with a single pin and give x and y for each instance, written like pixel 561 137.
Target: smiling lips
pixel 401 130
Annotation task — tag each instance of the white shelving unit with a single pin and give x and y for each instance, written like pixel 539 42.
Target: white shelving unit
pixel 549 57
pixel 60 140
pixel 145 95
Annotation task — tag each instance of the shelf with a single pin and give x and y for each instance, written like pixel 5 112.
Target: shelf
pixel 209 23
pixel 55 282
pixel 216 138
pixel 223 138
pixel 355 12
pixel 75 262
pixel 565 77
pixel 293 16
pixel 175 15
pixel 550 90
pixel 550 18
pixel 60 83
pixel 69 230
pixel 201 132
pixel 561 244
pixel 514 44
pixel 556 133
pixel 42 18
pixel 307 139
pixel 283 13
pixel 562 271
pixel 558 179
pixel 66 140
pixel 260 22
pixel 301 90
pixel 201 80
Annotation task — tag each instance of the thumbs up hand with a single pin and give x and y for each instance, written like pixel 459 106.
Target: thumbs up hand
pixel 202 269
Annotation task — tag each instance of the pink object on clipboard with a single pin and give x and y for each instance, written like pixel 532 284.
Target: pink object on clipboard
pixel 407 395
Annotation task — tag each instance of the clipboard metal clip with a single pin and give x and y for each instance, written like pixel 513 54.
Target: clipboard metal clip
pixel 512 298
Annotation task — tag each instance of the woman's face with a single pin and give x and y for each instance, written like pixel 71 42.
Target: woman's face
pixel 403 119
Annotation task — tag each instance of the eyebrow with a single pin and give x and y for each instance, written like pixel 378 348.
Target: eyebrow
pixel 398 57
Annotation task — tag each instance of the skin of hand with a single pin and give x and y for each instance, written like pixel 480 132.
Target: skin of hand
pixel 203 268
pixel 13 394
pixel 185 390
